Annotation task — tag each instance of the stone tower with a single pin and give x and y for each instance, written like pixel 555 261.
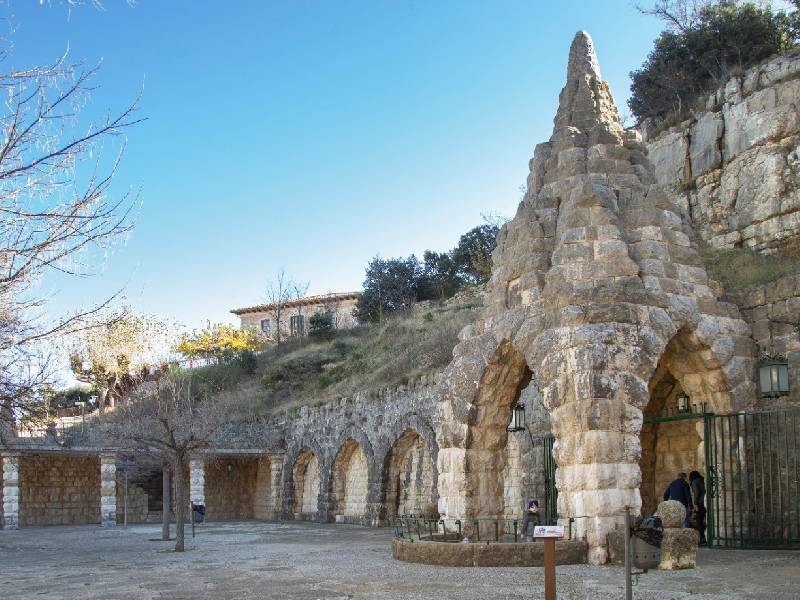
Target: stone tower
pixel 597 296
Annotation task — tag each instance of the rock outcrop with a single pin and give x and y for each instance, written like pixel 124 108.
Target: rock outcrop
pixel 734 168
pixel 596 283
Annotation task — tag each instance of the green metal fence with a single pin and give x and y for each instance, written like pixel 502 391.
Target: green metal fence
pixel 753 479
pixel 550 513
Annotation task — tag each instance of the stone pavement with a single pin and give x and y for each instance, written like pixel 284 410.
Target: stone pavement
pixel 249 560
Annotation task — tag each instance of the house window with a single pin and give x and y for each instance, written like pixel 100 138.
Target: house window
pixel 266 326
pixel 296 325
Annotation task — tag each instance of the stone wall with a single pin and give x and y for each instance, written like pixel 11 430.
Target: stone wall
pixel 137 502
pixel 773 312
pixel 357 435
pixel 59 489
pixel 734 168
pixel 230 488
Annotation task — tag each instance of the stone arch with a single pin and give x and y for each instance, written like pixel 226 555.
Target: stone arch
pixel 687 365
pixel 302 483
pixel 505 376
pixel 348 487
pixel 409 476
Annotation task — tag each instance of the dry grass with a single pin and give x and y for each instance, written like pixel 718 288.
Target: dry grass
pixel 739 268
pixel 313 372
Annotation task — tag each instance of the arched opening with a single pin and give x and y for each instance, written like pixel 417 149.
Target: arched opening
pixel 305 478
pixel 409 477
pixel 504 378
pixel 350 477
pixel 687 381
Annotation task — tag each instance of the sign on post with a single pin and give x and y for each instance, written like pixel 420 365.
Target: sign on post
pixel 550 533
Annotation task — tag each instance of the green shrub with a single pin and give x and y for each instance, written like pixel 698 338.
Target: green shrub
pixel 703 46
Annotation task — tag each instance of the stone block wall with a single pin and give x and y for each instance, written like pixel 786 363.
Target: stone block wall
pixel 773 312
pixel 137 502
pixel 735 168
pixel 230 488
pixel 59 490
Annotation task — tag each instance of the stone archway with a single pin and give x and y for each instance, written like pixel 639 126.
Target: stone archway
pixel 409 477
pixel 305 490
pixel 675 445
pixel 349 482
pixel 501 383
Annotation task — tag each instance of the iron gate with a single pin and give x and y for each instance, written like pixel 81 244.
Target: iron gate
pixel 752 479
pixel 550 491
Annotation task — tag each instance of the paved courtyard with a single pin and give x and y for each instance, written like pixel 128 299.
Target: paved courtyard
pixel 312 561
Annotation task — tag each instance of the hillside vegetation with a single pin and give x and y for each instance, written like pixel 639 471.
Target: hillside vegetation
pixel 308 371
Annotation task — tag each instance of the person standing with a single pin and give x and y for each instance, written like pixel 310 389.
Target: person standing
pixel 698 486
pixel 679 490
pixel 530 520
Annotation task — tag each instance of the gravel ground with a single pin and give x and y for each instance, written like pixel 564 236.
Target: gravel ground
pixel 311 561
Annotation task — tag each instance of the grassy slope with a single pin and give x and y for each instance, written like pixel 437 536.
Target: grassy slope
pixel 311 372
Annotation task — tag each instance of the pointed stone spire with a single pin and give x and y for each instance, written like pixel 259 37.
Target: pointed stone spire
pixel 582 59
pixel 586 113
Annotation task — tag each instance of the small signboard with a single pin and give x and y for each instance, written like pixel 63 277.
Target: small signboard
pixel 548 531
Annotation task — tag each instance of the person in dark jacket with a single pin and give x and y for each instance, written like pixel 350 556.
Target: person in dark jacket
pixel 679 490
pixel 530 520
pixel 697 483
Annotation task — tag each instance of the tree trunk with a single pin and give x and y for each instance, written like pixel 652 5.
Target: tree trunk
pixel 101 399
pixel 165 502
pixel 180 509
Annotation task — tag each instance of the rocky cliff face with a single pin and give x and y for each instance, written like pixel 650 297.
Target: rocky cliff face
pixel 734 168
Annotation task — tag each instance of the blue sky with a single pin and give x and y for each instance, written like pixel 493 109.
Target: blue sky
pixel 312 136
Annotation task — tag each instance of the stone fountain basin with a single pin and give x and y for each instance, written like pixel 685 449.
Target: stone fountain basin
pixel 483 554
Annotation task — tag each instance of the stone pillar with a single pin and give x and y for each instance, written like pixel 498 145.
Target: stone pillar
pixel 197 481
pixel 679 545
pixel 108 490
pixel 276 485
pixel 10 490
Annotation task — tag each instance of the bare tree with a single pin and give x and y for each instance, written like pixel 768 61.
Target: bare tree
pixel 280 292
pixel 299 290
pixel 56 210
pixel 169 419
pixel 115 355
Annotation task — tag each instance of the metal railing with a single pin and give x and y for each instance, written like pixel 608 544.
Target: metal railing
pixel 483 530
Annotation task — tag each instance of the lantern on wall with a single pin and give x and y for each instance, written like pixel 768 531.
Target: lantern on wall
pixel 773 376
pixel 517 417
pixel 683 402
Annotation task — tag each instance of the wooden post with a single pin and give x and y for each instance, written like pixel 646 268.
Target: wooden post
pixel 549 568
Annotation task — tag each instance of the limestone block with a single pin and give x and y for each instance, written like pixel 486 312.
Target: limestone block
pixel 672 513
pixel 678 548
pixel 704 149
pixel 668 154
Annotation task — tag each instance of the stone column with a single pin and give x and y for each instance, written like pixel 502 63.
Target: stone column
pixel 197 481
pixel 276 485
pixel 11 490
pixel 108 490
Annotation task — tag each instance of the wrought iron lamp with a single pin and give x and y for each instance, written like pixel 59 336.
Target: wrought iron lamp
pixel 517 418
pixel 773 376
pixel 683 403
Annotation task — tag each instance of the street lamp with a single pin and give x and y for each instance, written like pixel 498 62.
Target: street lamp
pixel 773 376
pixel 517 418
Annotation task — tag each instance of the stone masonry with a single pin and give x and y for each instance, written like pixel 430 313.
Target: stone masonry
pixel 734 167
pixel 10 490
pixel 108 490
pixel 593 279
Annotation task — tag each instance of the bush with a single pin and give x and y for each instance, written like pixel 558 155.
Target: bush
pixel 320 325
pixel 703 45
